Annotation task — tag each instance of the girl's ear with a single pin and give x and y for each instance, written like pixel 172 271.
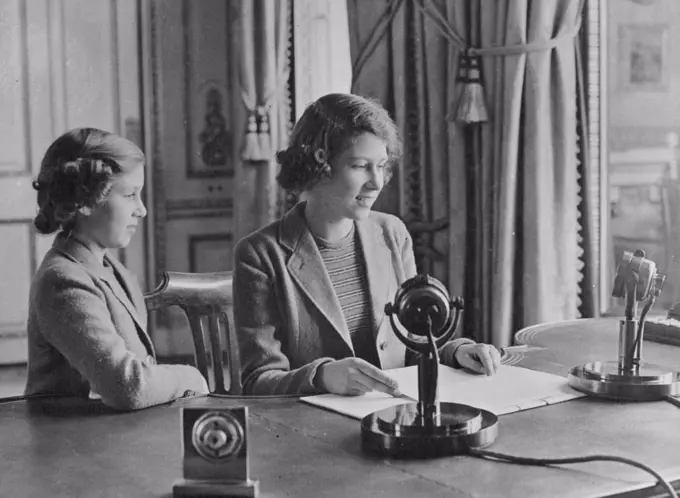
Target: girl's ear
pixel 325 173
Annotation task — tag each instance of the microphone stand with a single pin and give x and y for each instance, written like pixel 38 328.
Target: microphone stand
pixel 426 428
pixel 428 376
pixel 629 348
pixel 629 378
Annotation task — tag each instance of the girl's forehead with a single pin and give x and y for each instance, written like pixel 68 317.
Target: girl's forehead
pixel 365 145
pixel 131 178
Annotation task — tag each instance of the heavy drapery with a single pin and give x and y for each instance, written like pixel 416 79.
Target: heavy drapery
pixel 508 189
pixel 530 262
pixel 293 52
pixel 264 68
pixel 412 73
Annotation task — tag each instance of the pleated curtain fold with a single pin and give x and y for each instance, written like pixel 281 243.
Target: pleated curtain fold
pixel 498 204
pixel 264 68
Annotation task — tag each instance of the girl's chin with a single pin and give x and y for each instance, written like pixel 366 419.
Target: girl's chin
pixel 122 242
pixel 360 213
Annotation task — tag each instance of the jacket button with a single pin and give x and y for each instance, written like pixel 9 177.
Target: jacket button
pixel 150 360
pixel 383 346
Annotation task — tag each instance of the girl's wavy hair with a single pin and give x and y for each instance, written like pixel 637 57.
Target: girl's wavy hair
pixel 326 129
pixel 76 172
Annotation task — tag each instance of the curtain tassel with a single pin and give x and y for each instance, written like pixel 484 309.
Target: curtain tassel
pixel 471 104
pixel 264 138
pixel 257 144
pixel 251 146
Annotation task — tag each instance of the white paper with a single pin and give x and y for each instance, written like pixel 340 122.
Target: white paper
pixel 355 406
pixel 511 389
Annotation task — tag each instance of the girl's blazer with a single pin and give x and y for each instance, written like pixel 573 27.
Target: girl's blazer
pixel 288 319
pixel 87 332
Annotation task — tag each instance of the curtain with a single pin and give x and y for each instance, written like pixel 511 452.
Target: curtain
pixel 411 71
pixel 264 68
pixel 321 59
pixel 529 267
pixel 500 198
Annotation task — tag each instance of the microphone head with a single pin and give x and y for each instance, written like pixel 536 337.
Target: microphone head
pixel 634 267
pixel 421 298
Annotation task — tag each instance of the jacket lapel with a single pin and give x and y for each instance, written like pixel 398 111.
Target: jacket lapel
pixel 307 269
pixel 379 271
pixel 125 294
pixel 79 252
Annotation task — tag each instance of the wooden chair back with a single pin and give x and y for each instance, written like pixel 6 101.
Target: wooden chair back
pixel 205 298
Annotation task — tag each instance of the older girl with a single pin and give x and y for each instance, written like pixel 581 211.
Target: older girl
pixel 87 323
pixel 310 289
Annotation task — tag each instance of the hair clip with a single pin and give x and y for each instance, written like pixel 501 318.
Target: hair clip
pixel 321 156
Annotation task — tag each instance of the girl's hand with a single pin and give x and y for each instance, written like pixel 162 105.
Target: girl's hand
pixel 480 358
pixel 354 376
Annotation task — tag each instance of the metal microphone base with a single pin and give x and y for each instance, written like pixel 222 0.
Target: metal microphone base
pixel 398 431
pixel 607 380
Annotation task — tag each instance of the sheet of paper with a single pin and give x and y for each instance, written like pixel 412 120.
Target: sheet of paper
pixel 355 406
pixel 511 389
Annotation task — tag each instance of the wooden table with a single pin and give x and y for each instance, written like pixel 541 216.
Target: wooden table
pixel 70 447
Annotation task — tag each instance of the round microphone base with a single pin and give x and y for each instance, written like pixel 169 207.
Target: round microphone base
pixel 399 431
pixel 606 380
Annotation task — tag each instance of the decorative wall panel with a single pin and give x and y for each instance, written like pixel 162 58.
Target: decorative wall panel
pixel 190 118
pixel 60 67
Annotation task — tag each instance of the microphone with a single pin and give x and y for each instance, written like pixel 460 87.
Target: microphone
pixel 422 306
pixel 424 317
pixel 637 281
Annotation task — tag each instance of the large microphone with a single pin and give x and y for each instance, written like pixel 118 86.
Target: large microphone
pixel 637 281
pixel 424 317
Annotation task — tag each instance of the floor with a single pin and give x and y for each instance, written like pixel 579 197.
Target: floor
pixel 12 380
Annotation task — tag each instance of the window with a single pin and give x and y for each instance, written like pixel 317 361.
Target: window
pixel 634 122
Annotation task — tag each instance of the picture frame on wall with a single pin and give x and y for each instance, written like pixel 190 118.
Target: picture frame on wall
pixel 209 138
pixel 643 59
pixel 210 252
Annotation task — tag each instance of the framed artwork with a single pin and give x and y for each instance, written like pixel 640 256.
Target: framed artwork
pixel 643 59
pixel 210 252
pixel 209 139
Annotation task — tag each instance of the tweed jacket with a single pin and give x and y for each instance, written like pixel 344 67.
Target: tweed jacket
pixel 87 332
pixel 288 319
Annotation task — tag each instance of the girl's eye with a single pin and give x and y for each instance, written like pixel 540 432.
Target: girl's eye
pixel 359 166
pixel 131 196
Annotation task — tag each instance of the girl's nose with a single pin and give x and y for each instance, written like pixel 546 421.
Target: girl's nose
pixel 377 177
pixel 141 209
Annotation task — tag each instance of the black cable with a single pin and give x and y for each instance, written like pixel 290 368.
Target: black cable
pixel 492 455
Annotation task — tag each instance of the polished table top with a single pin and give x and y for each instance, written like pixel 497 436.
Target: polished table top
pixel 70 447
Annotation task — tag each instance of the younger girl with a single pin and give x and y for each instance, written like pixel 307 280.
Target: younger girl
pixel 87 323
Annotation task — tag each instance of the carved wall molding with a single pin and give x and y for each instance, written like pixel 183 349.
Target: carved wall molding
pixel 159 205
pixel 595 78
pixel 199 208
pixel 13 331
pixel 196 204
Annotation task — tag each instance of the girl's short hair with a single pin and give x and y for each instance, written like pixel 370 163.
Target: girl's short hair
pixel 325 130
pixel 76 172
